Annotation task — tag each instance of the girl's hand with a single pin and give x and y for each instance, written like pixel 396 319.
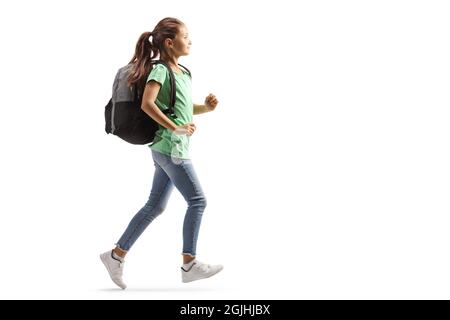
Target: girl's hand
pixel 211 102
pixel 187 129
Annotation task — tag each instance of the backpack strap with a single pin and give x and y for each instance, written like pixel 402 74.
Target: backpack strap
pixel 173 90
pixel 187 70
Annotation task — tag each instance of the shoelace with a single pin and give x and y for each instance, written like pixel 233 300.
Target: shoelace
pixel 119 271
pixel 203 266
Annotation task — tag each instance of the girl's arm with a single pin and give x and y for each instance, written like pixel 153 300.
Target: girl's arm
pixel 210 105
pixel 200 108
pixel 149 107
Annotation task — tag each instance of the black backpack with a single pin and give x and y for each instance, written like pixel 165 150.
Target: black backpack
pixel 123 114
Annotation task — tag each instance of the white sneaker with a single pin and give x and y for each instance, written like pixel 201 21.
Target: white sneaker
pixel 198 270
pixel 114 267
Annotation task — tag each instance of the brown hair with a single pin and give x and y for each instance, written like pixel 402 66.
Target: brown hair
pixel 147 50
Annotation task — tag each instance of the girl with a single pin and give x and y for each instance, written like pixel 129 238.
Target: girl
pixel 169 149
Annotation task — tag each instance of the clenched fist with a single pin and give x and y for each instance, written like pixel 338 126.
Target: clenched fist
pixel 211 102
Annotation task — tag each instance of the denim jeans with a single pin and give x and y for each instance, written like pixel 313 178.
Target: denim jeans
pixel 170 171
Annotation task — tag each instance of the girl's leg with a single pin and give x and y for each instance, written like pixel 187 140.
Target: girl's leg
pixel 184 177
pixel 161 190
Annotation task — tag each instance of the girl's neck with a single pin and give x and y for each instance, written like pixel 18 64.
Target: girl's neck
pixel 172 61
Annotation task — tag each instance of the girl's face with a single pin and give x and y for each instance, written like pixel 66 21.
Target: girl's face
pixel 181 44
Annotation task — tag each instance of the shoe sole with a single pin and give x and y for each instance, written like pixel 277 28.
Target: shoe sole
pixel 109 272
pixel 187 281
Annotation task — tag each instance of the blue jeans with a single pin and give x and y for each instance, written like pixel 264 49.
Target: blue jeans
pixel 169 172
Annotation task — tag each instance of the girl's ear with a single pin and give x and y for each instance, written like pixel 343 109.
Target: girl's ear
pixel 168 42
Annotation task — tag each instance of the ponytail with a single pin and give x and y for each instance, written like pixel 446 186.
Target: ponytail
pixel 142 61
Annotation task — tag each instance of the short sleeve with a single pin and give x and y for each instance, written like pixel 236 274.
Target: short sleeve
pixel 158 74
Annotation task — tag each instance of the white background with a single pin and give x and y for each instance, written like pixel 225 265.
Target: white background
pixel 325 165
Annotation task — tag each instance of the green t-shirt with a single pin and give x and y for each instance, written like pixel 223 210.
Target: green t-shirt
pixel 165 140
